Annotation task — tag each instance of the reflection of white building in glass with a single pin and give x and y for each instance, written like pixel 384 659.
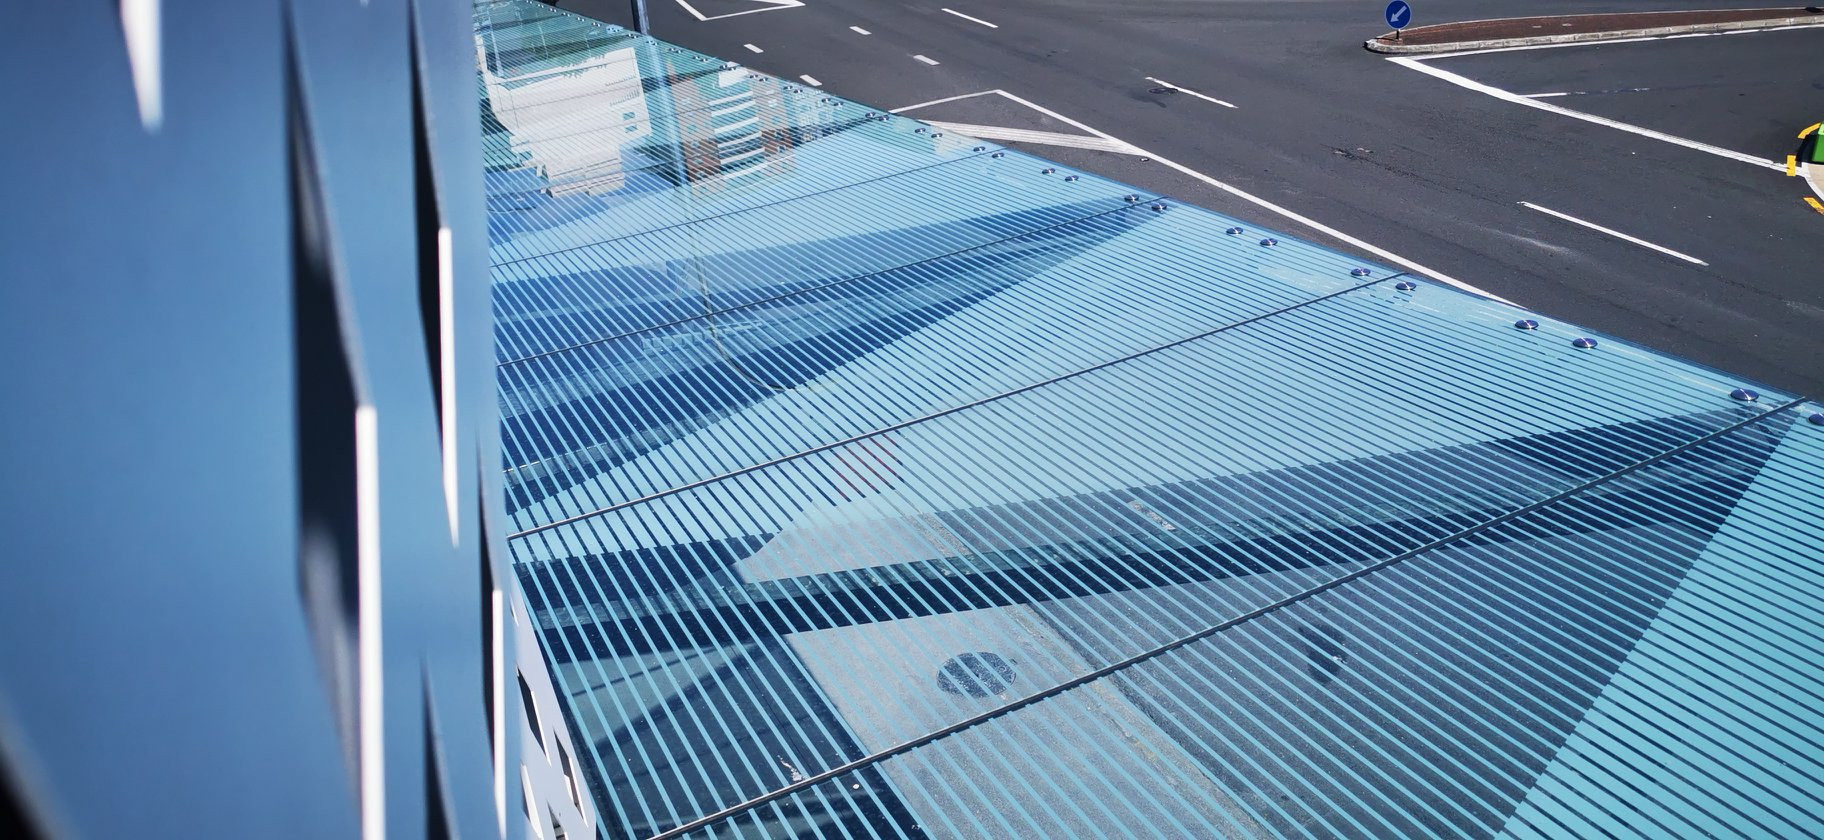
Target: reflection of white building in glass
pixel 728 131
pixel 562 117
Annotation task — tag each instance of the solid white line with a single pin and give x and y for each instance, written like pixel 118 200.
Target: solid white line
pixel 1164 83
pixel 1612 232
pixel 1261 202
pixel 861 30
pixel 752 48
pixel 942 101
pixel 1049 138
pixel 1543 95
pixel 1498 93
pixel 974 19
pixel 925 60
pixel 809 80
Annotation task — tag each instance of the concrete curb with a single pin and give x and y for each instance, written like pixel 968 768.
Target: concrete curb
pixel 1395 48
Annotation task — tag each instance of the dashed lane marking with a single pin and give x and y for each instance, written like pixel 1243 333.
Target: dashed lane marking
pixel 1612 232
pixel 1185 90
pixel 972 19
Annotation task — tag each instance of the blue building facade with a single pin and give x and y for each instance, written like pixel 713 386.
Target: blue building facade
pixel 256 578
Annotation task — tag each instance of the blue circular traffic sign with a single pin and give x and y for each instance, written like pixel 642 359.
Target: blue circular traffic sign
pixel 1399 14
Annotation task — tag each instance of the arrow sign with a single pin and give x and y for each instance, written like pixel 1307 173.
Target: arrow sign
pixel 765 6
pixel 1399 14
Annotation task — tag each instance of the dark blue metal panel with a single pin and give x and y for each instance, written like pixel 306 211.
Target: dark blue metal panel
pixel 216 264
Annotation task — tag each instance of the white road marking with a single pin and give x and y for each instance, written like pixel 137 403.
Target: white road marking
pixel 810 80
pixel 1612 232
pixel 1585 92
pixel 1503 95
pixel 972 19
pixel 943 100
pixel 931 61
pixel 752 48
pixel 1261 202
pixel 771 6
pixel 861 30
pixel 1048 138
pixel 1129 148
pixel 1164 83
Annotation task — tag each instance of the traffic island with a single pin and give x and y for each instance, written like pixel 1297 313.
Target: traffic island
pixel 1569 29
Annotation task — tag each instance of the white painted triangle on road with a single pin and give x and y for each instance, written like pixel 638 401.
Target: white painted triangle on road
pixel 1048 138
pixel 767 6
pixel 1094 142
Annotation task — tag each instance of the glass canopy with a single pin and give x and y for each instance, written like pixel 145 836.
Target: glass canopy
pixel 869 480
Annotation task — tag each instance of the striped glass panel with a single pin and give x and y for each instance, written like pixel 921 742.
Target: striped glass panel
pixel 871 482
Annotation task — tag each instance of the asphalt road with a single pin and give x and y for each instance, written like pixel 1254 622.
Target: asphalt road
pixel 1414 164
pixel 1740 92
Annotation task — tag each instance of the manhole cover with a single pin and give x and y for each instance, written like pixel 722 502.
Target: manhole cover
pixel 975 675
